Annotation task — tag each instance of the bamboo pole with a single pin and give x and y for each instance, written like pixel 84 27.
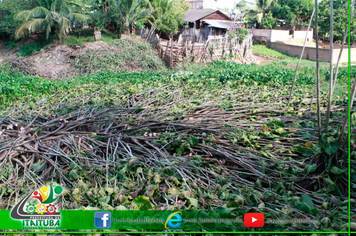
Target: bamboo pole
pixel 171 55
pixel 331 63
pixel 343 129
pixel 300 58
pixel 317 69
pixel 342 47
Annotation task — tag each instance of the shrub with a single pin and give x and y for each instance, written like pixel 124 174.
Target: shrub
pixel 268 22
pixel 231 35
pixel 243 32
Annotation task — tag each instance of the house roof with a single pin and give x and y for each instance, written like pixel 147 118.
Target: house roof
pixel 193 15
pixel 222 24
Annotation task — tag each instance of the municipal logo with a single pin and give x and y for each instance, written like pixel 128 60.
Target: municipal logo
pixel 37 210
pixel 102 220
pixel 174 220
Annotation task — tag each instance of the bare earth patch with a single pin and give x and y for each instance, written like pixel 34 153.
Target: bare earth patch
pixel 56 61
pixel 6 53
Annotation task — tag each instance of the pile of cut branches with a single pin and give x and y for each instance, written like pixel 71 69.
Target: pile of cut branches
pixel 200 160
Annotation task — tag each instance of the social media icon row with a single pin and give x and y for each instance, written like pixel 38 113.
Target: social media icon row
pixel 102 220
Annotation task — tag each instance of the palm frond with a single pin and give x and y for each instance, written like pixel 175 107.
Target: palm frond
pixel 33 26
pixel 52 16
pixel 22 31
pixel 49 13
pixel 38 12
pixel 79 19
pixel 78 3
pixel 37 25
pixel 22 15
pixel 48 30
pixel 64 24
pixel 58 5
pixel 66 11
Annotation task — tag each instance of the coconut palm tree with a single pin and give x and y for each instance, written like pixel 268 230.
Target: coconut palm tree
pixel 132 11
pixel 49 15
pixel 264 5
pixel 103 5
pixel 260 9
pixel 161 7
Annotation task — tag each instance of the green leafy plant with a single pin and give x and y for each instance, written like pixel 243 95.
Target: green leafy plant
pixel 268 22
pixel 243 32
pixel 49 15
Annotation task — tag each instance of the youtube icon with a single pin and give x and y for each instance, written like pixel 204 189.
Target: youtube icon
pixel 254 220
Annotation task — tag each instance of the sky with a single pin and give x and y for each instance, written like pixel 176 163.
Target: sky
pixel 231 3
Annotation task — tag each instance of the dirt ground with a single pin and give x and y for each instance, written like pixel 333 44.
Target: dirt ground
pixel 6 53
pixel 58 61
pixel 55 61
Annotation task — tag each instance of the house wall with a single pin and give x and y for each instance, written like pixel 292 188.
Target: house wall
pixel 310 52
pixel 261 33
pixel 300 34
pixel 279 35
pixel 196 4
pixel 216 16
pixel 271 35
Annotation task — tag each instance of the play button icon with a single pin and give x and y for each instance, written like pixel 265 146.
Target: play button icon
pixel 254 220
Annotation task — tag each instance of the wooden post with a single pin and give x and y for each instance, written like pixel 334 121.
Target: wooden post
pixel 97 35
pixel 166 51
pixel 171 56
pixel 192 53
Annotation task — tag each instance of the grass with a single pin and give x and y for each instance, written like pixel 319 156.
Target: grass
pixel 78 38
pixel 71 40
pixel 284 59
pixel 263 50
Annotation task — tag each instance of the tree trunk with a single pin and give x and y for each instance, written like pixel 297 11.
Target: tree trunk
pixel 127 27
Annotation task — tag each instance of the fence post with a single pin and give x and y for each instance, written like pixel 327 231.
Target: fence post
pixel 171 59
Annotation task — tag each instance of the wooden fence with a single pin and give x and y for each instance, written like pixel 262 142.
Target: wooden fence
pixel 213 49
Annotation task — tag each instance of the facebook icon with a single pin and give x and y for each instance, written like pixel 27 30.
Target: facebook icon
pixel 102 220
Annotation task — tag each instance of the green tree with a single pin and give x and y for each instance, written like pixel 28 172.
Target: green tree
pixel 8 8
pixel 243 32
pixel 173 17
pixel 268 22
pixel 47 16
pixel 131 12
pixel 101 5
pixel 161 7
pixel 241 5
pixel 295 12
pixel 264 5
pixel 340 20
pixel 259 11
pixel 284 12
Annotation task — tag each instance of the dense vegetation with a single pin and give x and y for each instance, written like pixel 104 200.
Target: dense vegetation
pixel 296 14
pixel 59 17
pixel 219 135
pixel 126 55
pixel 235 112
